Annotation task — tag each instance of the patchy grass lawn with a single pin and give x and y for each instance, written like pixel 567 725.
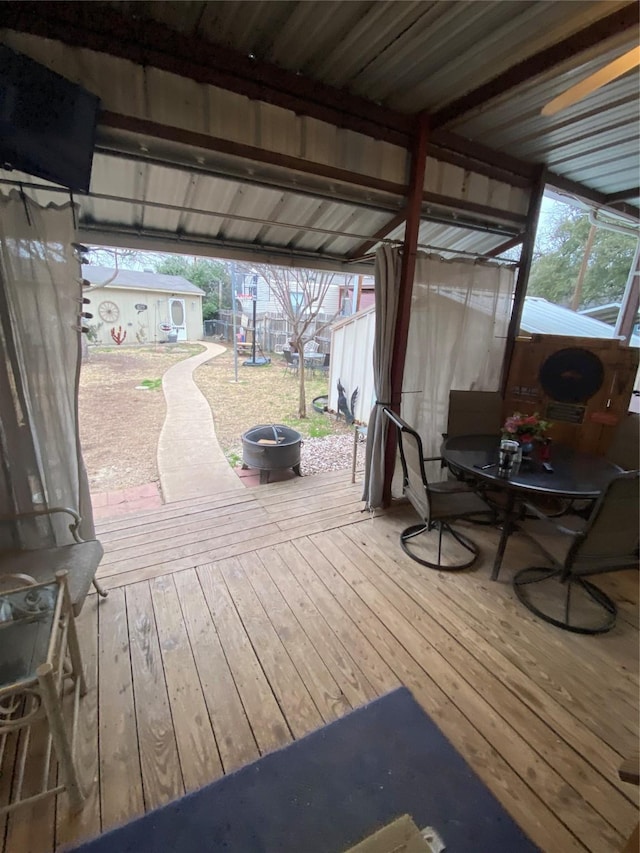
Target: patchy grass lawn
pixel 263 395
pixel 119 425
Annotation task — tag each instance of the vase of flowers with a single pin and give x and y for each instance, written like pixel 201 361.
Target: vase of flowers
pixel 525 429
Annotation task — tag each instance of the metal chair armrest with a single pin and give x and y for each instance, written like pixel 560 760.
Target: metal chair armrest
pixel 73 527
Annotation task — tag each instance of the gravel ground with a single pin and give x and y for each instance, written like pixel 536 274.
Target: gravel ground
pixel 333 453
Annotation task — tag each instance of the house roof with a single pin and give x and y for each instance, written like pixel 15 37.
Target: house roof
pixel 541 317
pixel 138 280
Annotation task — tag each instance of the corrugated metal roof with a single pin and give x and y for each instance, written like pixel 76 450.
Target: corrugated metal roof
pixel 99 276
pixel 541 317
pixel 416 56
pixel 410 56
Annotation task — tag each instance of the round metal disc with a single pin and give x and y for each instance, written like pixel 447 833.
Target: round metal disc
pixel 572 375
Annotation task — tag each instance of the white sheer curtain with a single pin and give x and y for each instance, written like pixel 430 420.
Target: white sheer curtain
pixel 40 303
pixel 387 275
pixel 457 336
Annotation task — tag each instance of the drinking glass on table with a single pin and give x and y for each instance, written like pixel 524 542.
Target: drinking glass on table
pixel 508 457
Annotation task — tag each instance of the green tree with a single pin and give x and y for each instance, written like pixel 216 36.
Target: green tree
pixel 555 269
pixel 212 276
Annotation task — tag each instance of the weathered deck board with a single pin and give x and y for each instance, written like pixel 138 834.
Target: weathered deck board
pixel 268 724
pixel 199 758
pixel 288 687
pixel 526 739
pixel 352 681
pixel 85 824
pixel 121 796
pixel 447 617
pixel 324 690
pixel 233 733
pixel 208 551
pixel 392 637
pixel 216 646
pixel 161 775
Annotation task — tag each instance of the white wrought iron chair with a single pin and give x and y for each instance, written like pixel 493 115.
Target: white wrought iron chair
pixel 79 558
pixel 438 504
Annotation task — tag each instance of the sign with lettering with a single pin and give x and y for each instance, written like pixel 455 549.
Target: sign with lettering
pixel 567 413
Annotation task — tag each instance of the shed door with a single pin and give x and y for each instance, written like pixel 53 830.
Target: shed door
pixel 177 312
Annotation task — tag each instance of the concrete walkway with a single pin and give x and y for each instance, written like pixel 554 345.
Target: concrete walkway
pixel 191 463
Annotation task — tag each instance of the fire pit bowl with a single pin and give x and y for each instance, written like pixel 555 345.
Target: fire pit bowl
pixel 270 447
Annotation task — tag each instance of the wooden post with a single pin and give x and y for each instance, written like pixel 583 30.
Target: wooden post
pixel 577 290
pixel 526 257
pixel 405 289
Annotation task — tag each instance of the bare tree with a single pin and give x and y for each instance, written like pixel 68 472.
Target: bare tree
pixel 300 295
pixel 116 258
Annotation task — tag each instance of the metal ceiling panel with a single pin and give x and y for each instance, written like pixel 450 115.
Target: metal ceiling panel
pixel 165 98
pixel 411 56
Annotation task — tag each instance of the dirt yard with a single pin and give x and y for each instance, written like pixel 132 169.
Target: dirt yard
pixel 119 425
pixel 263 395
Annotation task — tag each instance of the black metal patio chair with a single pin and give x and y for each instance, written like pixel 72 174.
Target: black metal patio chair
pixel 438 504
pixel 291 361
pixel 607 542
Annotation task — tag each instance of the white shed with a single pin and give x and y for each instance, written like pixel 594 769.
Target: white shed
pixel 146 307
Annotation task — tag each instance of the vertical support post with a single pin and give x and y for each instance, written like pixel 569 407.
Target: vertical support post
pixel 577 290
pixel 526 257
pixel 253 345
pixel 629 308
pixel 233 306
pixel 405 288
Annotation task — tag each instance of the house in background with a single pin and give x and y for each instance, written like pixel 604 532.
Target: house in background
pixel 338 299
pixel 148 306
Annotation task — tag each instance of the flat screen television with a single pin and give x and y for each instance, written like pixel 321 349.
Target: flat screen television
pixel 47 123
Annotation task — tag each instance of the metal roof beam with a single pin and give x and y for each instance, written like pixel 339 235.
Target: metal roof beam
pixel 207 247
pixel 341 195
pixel 573 188
pixel 368 184
pixel 623 195
pixel 144 127
pixel 387 228
pixel 625 18
pixel 504 247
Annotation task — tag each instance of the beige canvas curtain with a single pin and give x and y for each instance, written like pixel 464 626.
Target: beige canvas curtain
pixel 460 312
pixel 40 303
pixel 387 275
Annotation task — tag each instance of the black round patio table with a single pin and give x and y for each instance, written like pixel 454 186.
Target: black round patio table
pixel 574 475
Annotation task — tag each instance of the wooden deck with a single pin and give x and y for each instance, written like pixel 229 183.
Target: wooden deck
pixel 238 623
